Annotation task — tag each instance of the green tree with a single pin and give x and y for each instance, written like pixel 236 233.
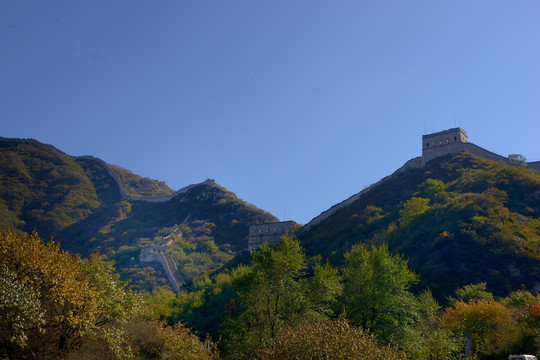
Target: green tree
pixel 472 292
pixel 430 187
pixel 376 291
pixel 276 293
pixel 525 308
pixel 428 340
pixel 411 209
pixel 517 160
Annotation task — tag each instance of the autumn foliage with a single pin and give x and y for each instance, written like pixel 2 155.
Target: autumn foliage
pixel 58 306
pixel 337 339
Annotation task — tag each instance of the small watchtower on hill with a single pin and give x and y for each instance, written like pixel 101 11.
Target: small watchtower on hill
pixel 441 143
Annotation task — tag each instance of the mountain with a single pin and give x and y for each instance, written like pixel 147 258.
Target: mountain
pixel 90 206
pixel 459 219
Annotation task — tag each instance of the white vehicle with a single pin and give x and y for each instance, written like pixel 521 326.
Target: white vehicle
pixel 521 357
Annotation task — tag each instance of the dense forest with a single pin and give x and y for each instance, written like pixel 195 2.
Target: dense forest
pixel 281 305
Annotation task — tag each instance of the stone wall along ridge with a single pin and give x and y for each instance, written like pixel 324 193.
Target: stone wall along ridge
pixel 451 141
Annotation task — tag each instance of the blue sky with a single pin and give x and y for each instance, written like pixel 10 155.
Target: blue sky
pixel 292 105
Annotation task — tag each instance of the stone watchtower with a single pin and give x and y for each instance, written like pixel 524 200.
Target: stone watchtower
pixel 269 232
pixel 441 143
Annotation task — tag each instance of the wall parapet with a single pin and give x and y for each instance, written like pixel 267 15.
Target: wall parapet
pixel 414 163
pixel 159 253
pixel 451 141
pixel 268 232
pixel 159 198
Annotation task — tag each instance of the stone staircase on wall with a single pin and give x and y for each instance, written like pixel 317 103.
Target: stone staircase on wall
pixel 158 253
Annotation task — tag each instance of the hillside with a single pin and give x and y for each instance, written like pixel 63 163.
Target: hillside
pixel 459 220
pixel 41 187
pixel 79 202
pixel 134 185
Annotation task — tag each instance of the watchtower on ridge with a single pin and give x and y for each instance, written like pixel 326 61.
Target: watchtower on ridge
pixel 269 232
pixel 444 142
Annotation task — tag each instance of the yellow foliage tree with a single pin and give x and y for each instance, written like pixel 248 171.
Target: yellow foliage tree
pixel 489 325
pixel 336 339
pixel 56 305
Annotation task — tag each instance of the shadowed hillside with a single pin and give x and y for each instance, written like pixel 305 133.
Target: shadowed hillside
pixel 460 219
pixel 79 202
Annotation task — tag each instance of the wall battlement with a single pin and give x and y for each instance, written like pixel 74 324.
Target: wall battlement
pixel 442 143
pixel 159 253
pixel 270 232
pixel 453 141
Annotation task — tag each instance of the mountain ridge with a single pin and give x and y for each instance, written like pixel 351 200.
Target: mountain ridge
pixel 79 202
pixel 482 225
pixel 439 148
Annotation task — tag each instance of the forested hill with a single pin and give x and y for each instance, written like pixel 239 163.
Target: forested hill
pixel 45 188
pixel 459 220
pixel 78 201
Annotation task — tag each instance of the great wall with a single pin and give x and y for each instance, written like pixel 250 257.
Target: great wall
pixel 434 145
pixel 159 198
pixel 451 141
pixel 159 253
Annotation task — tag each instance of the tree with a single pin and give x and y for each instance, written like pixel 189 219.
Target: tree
pixel 411 209
pixel 67 300
pixel 472 292
pixel 154 340
pixel 376 291
pixel 430 187
pixel 337 340
pixel 428 340
pixel 489 325
pixel 20 309
pixel 275 293
pixel 525 308
pixel 517 160
pixel 52 275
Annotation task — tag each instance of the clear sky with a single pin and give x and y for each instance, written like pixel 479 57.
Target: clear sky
pixel 292 105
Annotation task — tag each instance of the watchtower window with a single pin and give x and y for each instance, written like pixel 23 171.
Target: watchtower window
pixel 447 141
pixel 440 142
pixel 427 144
pixel 455 138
